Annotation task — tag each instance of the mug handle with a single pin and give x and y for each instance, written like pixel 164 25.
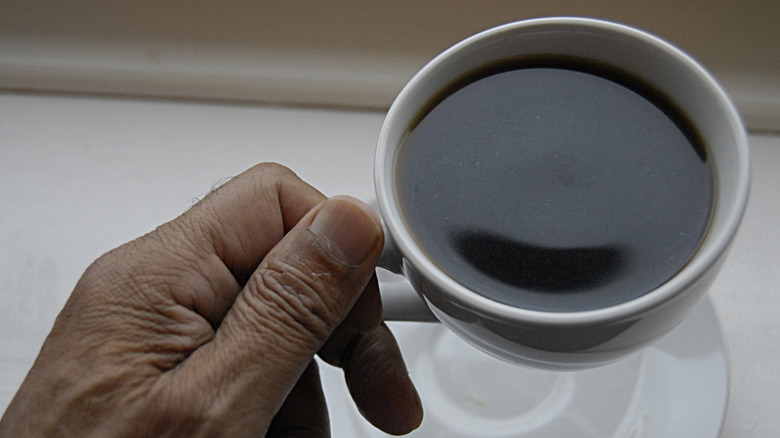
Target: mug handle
pixel 400 302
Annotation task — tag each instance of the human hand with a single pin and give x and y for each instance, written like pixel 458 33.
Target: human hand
pixel 208 325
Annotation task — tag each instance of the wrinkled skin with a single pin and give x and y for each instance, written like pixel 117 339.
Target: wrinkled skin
pixel 208 325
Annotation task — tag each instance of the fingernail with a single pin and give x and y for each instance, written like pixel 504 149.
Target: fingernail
pixel 345 231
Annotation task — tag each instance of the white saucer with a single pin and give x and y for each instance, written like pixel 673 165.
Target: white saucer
pixel 677 387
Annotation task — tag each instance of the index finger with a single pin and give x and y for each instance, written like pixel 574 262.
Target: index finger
pixel 241 221
pixel 214 247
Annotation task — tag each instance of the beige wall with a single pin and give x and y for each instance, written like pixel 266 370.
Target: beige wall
pixel 345 52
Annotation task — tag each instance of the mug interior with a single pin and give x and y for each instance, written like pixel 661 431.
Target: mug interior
pixel 645 57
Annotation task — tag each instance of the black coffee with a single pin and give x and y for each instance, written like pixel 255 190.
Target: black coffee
pixel 555 184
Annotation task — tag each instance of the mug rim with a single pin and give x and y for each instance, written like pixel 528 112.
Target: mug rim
pixel 718 240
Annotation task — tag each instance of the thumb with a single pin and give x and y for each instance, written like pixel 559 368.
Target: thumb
pixel 299 294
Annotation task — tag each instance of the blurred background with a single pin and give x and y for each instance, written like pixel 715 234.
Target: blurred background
pixel 346 53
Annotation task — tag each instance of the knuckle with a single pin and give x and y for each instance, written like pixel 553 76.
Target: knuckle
pixel 275 169
pixel 144 273
pixel 268 175
pixel 96 273
pixel 297 297
pixel 110 272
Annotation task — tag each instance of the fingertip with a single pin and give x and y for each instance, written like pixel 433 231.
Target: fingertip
pixel 348 230
pixel 380 385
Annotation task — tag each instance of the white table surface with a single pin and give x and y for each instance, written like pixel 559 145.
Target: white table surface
pixel 79 176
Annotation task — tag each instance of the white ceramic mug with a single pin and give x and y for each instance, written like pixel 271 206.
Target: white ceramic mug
pixel 575 339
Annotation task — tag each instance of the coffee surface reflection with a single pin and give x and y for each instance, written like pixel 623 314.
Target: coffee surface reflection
pixel 538 268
